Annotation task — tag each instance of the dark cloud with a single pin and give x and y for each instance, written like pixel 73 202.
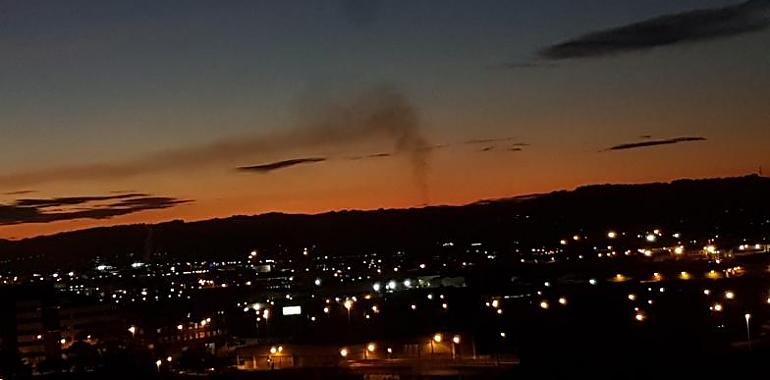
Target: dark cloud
pixel 645 144
pixel 691 26
pixel 515 147
pixel 266 168
pixel 67 201
pixel 19 192
pixel 378 155
pixel 374 155
pixel 88 207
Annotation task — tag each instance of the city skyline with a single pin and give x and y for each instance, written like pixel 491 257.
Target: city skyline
pixel 120 113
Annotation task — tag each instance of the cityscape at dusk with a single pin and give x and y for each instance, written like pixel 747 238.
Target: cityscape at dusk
pixel 379 190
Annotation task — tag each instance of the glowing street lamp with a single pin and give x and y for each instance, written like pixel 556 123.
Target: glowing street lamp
pixel 344 352
pixel 747 316
pixel 132 330
pixel 348 305
pixel 437 338
pixel 158 363
pixel 455 342
pixel 266 316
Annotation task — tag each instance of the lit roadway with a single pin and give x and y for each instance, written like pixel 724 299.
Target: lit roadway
pixel 432 367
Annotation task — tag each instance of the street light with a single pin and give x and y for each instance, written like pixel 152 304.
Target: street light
pixel 132 330
pixel 436 338
pixel 748 329
pixel 455 342
pixel 344 352
pixel 158 363
pixel 348 305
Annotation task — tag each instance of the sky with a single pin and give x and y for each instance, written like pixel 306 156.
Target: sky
pixel 115 112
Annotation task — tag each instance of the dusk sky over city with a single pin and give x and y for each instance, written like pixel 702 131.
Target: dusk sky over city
pixel 145 111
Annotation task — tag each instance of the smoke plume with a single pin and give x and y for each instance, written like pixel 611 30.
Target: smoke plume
pixel 382 113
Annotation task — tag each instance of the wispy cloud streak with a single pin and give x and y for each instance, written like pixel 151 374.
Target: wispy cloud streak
pixel 651 143
pixel 272 166
pixel 672 29
pixel 24 211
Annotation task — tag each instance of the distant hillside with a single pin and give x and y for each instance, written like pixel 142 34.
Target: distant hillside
pixel 728 205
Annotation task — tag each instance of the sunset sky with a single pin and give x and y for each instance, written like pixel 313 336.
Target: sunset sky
pixel 115 112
